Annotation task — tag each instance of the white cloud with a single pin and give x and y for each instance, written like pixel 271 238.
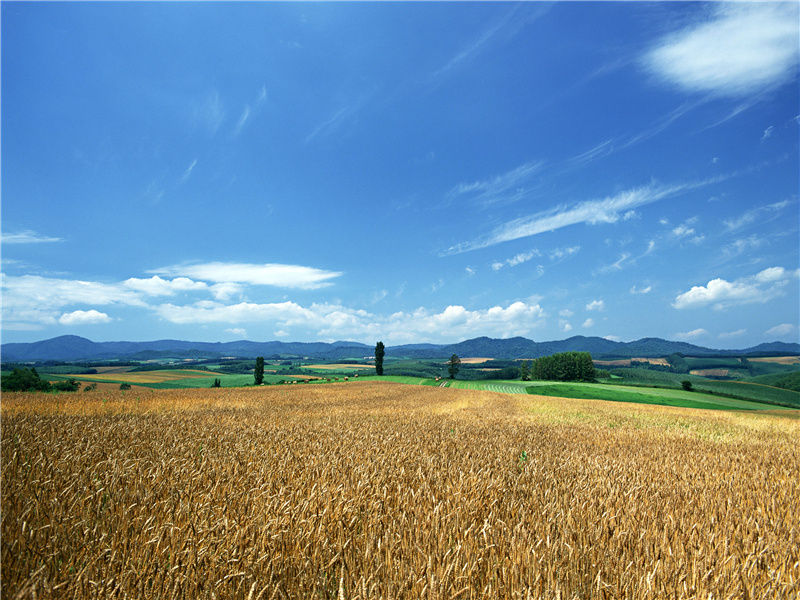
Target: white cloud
pixel 334 320
pixel 782 329
pixel 156 286
pixel 764 213
pixel 281 333
pixel 188 172
pixel 742 49
pixel 84 317
pixel 559 253
pixel 592 212
pixel 515 260
pixel 642 290
pixel 379 295
pixel 689 335
pixel 588 323
pixel 565 312
pixel 732 334
pixel 209 112
pixel 768 133
pixel 226 291
pixel 611 338
pixel 598 305
pixel 506 187
pixel 743 245
pixel 279 275
pixel 564 325
pixel 242 120
pixel 238 331
pixel 721 294
pixel 682 231
pixel 28 237
pixel 46 292
pixel 617 265
pixel 470 271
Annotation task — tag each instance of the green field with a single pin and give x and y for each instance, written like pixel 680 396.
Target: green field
pixel 643 395
pixel 757 393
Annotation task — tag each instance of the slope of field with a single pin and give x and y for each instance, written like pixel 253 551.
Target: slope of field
pixel 378 490
pixel 644 396
pixel 338 367
pixel 781 360
pixel 160 376
pixel 740 389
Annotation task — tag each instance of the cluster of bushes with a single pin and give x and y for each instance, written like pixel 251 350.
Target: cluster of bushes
pixel 28 380
pixel 565 366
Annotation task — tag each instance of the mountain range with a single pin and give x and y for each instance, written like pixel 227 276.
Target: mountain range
pixel 74 348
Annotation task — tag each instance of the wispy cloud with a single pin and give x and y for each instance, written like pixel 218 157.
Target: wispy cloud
pixel 515 260
pixel 506 187
pixel 340 116
pixel 279 275
pixel 209 112
pixel 28 237
pixel 588 323
pixel 242 120
pixel 767 133
pixel 509 24
pixel 237 331
pixel 732 334
pixel 592 212
pixel 641 290
pixel 738 50
pixel 188 172
pixel 721 294
pixel 249 110
pixel 760 214
pixel 690 335
pixel 617 265
pixel 783 329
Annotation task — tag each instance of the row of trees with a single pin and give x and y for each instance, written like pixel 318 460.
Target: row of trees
pixel 28 380
pixel 565 366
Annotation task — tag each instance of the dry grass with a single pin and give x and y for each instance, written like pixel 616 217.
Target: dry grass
pixel 625 362
pixel 338 367
pixel 392 491
pixel 471 360
pixel 781 360
pixel 146 376
pixel 710 372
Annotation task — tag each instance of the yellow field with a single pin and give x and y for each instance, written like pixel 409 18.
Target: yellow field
pixel 627 361
pixel 710 372
pixel 389 491
pixel 338 367
pixel 782 360
pixel 146 376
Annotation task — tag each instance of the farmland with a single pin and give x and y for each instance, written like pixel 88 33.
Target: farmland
pixel 378 490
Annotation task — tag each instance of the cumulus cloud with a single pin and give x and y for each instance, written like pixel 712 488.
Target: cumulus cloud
pixel 156 286
pixel 739 49
pixel 641 290
pixel 84 317
pixel 689 335
pixel 588 323
pixel 564 325
pixel 596 305
pixel 720 293
pixel 782 329
pixel 279 275
pixel 335 320
pixel 565 312
pixel 238 331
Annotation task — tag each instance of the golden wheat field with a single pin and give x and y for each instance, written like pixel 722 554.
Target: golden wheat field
pixel 379 490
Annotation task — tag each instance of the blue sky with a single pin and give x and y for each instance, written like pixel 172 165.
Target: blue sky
pixel 404 172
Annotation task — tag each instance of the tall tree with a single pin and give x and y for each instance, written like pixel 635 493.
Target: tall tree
pixel 525 371
pixel 259 372
pixel 380 350
pixel 454 365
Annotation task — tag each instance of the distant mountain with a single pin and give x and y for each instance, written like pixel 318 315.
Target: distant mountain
pixel 72 348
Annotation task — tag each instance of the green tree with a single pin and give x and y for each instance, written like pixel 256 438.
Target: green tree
pixel 454 365
pixel 259 372
pixel 687 385
pixel 525 371
pixel 380 351
pixel 24 380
